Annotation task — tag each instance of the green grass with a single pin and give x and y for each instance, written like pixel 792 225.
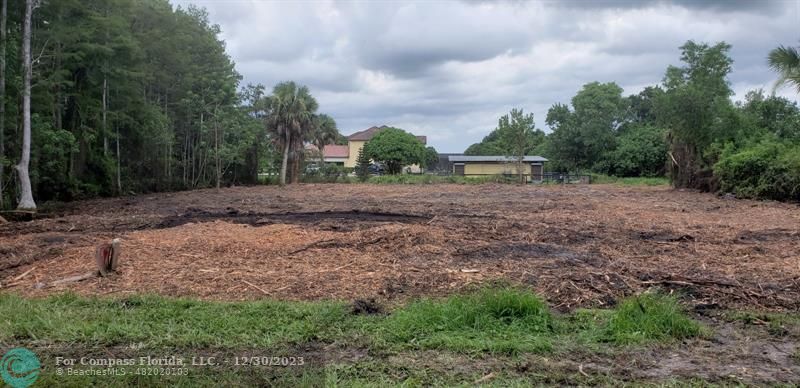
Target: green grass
pixel 630 181
pixel 490 319
pixel 777 324
pixel 499 323
pixel 649 317
pixel 178 322
pixel 495 320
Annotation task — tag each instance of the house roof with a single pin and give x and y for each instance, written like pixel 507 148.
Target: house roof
pixel 332 150
pixel 368 133
pixel 465 158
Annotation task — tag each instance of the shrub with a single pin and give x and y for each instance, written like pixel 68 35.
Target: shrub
pixel 769 169
pixel 328 173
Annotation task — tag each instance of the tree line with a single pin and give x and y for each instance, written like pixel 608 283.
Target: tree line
pixel 686 128
pixel 130 96
pixel 112 97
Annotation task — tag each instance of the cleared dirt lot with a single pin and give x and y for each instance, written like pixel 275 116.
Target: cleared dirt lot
pixel 578 246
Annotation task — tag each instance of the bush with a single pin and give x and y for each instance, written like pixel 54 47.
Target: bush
pixel 641 151
pixel 328 173
pixel 769 169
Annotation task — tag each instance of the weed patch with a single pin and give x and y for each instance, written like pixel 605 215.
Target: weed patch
pixel 504 320
pixel 649 317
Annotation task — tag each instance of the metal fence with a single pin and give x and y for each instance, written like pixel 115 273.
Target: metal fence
pixel 564 177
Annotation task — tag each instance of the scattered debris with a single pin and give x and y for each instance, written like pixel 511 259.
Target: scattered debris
pixel 18 278
pixel 365 307
pixel 484 378
pixel 256 287
pixel 589 246
pixel 72 279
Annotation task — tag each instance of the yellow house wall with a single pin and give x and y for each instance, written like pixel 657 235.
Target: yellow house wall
pixel 354 147
pixel 494 168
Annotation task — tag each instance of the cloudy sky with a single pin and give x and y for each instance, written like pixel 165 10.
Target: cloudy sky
pixel 449 69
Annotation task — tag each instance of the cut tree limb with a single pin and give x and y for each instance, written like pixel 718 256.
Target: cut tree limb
pixel 256 287
pixel 23 274
pixel 76 278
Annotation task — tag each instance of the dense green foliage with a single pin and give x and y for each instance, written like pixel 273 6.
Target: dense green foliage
pixel 128 96
pixel 602 132
pixel 515 135
pixel 687 128
pixel 640 151
pixel 395 148
pixel 769 168
pixel 137 96
pixel 431 157
pixel 697 111
pixel 582 135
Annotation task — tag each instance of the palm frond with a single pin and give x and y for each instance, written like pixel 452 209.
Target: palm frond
pixel 786 62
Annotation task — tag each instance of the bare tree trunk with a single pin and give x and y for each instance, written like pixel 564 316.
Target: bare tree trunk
pixel 3 14
pixel 26 195
pixel 185 155
pixel 216 148
pixel 285 160
pixel 105 103
pixel 119 167
pixel 105 115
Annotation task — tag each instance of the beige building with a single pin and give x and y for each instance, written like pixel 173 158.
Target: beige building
pixel 476 166
pixel 347 155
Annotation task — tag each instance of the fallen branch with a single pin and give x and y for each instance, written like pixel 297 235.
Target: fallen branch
pixel 18 211
pixel 256 287
pixel 691 282
pixel 316 244
pixel 76 278
pixel 23 274
pixel 484 378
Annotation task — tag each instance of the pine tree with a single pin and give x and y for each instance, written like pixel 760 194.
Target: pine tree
pixel 362 166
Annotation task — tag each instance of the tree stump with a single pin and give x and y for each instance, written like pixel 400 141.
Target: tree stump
pixel 107 257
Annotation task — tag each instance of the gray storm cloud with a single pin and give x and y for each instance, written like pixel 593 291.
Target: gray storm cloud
pixel 449 69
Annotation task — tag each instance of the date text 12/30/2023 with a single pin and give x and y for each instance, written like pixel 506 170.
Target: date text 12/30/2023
pixel 279 361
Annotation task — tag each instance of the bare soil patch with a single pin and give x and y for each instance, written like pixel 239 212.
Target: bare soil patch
pixel 575 245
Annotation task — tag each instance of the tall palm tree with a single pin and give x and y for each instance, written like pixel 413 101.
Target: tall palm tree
pixel 786 61
pixel 324 133
pixel 291 113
